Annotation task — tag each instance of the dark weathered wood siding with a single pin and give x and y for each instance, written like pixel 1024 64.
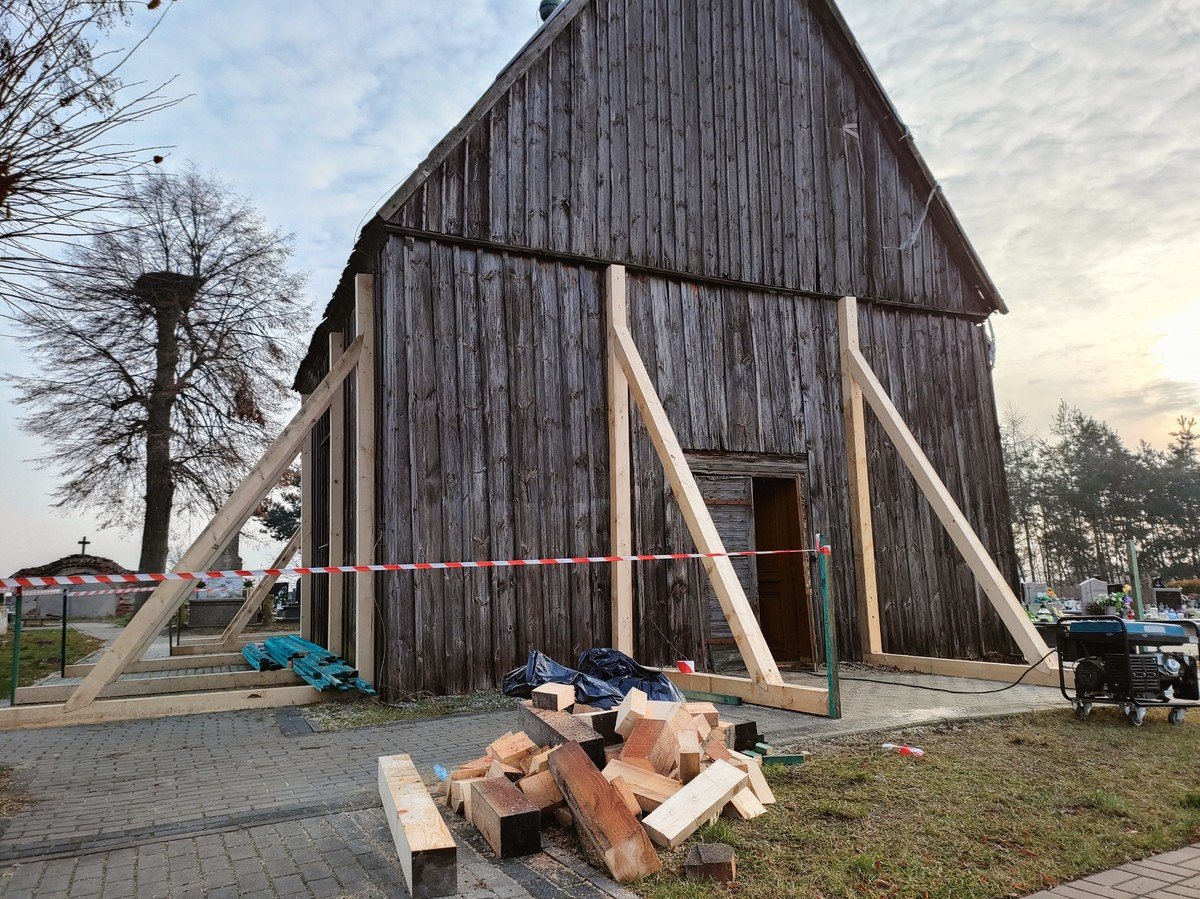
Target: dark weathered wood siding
pixel 733 157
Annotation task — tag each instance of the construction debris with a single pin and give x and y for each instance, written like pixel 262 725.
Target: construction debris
pixel 711 861
pixel 428 853
pixel 315 664
pixel 672 765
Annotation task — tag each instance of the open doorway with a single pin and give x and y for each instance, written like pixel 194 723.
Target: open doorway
pixel 784 595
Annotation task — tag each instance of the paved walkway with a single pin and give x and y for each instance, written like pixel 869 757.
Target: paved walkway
pixel 1174 875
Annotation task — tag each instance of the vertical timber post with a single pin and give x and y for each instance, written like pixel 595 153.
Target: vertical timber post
pixel 364 504
pixel 18 608
pixel 306 531
pixel 1135 580
pixel 335 641
pixel 860 487
pixel 620 489
pixel 62 662
pixel 833 684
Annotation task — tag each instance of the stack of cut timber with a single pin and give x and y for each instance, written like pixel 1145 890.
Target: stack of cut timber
pixel 647 772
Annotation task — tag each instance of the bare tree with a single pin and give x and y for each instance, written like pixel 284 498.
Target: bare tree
pixel 163 352
pixel 61 101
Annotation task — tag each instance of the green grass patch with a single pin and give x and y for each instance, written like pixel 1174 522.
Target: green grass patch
pixel 994 809
pixel 367 712
pixel 40 654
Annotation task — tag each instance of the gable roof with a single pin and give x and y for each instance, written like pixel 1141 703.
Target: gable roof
pixel 74 564
pixel 372 235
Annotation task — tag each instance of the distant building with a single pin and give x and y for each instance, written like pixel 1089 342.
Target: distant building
pixel 39 604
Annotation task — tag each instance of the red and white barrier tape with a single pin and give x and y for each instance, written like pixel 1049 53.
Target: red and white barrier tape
pixel 73 593
pixel 10 582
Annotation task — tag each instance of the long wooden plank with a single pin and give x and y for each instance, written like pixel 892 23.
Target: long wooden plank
pixel 335 638
pixel 150 619
pixel 156 686
pixel 308 540
pixel 742 623
pixel 364 448
pixel 260 592
pixel 106 710
pixel 183 650
pixel 428 853
pixel 870 633
pixel 547 728
pixel 997 671
pixel 681 815
pixel 949 514
pixel 619 468
pixel 173 663
pixel 792 697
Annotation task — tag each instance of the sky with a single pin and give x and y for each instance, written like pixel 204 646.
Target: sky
pixel 1063 134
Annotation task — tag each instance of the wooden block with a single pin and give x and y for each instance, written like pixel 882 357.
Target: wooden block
pixel 785 760
pixel 510 823
pixel 631 710
pixel 707 709
pixel 651 745
pixel 631 802
pixel 459 794
pixel 703 728
pixel 651 790
pixel 499 769
pixel 711 861
pixel 661 709
pixel 557 728
pixel 538 762
pixel 428 853
pixel 763 749
pixel 744 806
pixel 512 748
pixel 743 735
pixel 471 770
pixel 603 723
pixel 612 752
pixel 582 708
pixel 688 762
pixel 611 836
pixel 681 815
pixel 758 783
pixel 554 697
pixel 542 791
pixel 718 731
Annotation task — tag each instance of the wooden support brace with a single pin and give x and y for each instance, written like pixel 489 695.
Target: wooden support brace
pixel 157 686
pixel 174 663
pixel 1042 676
pixel 742 622
pixel 619 466
pixel 791 697
pixel 870 634
pixel 336 640
pixel 308 542
pixel 949 514
pixel 150 619
pixel 257 595
pixel 364 455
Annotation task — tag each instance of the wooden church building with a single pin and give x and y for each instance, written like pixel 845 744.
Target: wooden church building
pixel 710 178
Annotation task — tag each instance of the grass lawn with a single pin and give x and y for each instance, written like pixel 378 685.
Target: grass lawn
pixel 994 809
pixel 39 654
pixel 366 712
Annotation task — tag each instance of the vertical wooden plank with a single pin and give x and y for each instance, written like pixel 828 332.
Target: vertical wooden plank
pixel 337 497
pixel 307 493
pixel 860 490
pixel 619 456
pixel 364 396
pixel 585 146
pixel 561 162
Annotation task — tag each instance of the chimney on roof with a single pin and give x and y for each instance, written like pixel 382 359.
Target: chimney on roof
pixel 547 8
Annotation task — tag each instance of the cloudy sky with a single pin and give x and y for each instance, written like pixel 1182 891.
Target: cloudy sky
pixel 1064 135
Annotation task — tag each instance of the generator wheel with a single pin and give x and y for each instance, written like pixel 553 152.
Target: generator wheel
pixel 1136 715
pixel 1176 716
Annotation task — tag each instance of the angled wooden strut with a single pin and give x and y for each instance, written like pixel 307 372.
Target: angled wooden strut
pixel 255 599
pixel 150 619
pixel 1005 602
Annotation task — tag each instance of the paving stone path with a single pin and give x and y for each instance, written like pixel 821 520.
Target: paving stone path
pixel 1173 875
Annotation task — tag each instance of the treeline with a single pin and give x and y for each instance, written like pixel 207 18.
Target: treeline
pixel 1079 496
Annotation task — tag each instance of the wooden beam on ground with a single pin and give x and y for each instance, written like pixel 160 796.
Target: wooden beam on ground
pixel 210 648
pixel 259 594
pixel 106 710
pixel 458 796
pixel 681 815
pixel 996 671
pixel 556 728
pixel 428 853
pixel 633 708
pixel 612 838
pixel 742 622
pixel 651 745
pixel 870 633
pixel 542 791
pixel 553 697
pixel 619 467
pixel 308 537
pixel 156 686
pixel 792 697
pixel 364 496
pixel 1010 610
pixel 173 663
pixel 335 641
pixel 511 824
pixel 149 621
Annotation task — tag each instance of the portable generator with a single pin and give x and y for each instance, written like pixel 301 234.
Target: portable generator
pixel 1132 664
